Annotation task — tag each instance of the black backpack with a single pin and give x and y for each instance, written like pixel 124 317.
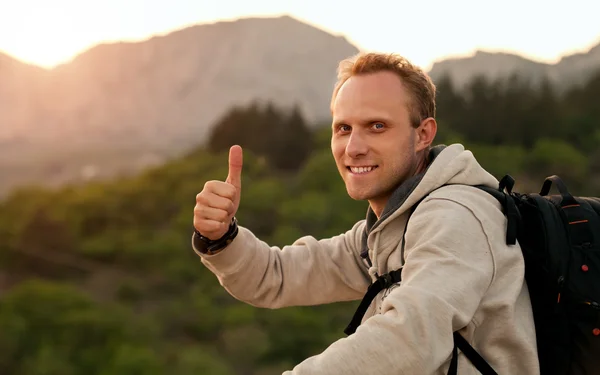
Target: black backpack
pixel 559 236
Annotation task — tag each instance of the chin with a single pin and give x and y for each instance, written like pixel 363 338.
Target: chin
pixel 359 195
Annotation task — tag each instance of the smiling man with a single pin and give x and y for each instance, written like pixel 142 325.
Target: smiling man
pixel 458 274
pixel 375 132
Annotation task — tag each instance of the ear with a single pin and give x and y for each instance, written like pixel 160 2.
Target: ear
pixel 425 134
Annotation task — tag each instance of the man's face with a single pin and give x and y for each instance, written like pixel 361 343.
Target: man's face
pixel 373 142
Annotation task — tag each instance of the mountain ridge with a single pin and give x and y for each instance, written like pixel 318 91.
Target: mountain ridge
pixel 121 106
pixel 569 70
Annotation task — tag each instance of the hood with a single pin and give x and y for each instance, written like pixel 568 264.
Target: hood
pixel 448 165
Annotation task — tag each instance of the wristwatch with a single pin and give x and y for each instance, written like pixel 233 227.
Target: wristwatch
pixel 211 247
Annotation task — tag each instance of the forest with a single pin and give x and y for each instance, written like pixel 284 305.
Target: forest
pixel 101 278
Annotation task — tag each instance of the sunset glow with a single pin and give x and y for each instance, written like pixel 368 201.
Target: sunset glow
pixel 48 33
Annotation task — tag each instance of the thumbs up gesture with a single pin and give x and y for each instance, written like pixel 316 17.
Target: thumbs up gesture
pixel 218 202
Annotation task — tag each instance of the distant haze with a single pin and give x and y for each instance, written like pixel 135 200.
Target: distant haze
pixel 47 33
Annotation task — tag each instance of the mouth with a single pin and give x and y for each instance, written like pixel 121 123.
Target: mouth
pixel 362 169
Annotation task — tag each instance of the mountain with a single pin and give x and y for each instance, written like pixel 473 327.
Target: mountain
pixel 570 70
pixel 121 106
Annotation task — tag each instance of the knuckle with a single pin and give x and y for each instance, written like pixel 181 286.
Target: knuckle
pixel 201 198
pixel 210 186
pixel 204 201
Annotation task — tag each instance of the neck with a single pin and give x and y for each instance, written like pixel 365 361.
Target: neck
pixel 378 205
pixel 422 163
pixel 377 209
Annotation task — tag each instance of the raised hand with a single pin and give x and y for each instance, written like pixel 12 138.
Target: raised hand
pixel 218 202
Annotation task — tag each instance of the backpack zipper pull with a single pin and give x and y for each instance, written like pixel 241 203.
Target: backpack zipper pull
pixel 595 305
pixel 561 281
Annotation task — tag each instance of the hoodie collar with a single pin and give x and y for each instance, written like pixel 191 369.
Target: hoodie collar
pixel 401 193
pixel 397 198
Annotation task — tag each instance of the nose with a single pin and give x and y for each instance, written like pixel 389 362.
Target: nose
pixel 356 146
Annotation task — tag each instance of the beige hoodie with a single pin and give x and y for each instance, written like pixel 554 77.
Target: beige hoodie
pixel 458 274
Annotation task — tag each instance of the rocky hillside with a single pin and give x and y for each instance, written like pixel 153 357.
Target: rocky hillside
pixel 121 106
pixel 570 70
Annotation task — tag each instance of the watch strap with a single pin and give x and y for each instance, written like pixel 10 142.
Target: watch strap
pixel 210 247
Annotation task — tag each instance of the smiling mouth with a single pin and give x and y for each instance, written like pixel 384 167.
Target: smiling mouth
pixel 362 170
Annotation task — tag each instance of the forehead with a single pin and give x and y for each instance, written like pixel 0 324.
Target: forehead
pixel 367 95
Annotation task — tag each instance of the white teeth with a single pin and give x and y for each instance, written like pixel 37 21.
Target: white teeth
pixel 361 169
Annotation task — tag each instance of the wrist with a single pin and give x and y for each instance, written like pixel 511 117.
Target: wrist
pixel 210 247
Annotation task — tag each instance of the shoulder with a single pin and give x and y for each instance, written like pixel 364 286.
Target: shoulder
pixel 466 211
pixel 480 203
pixel 448 227
pixel 466 194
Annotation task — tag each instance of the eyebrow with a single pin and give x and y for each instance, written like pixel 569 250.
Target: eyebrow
pixel 366 122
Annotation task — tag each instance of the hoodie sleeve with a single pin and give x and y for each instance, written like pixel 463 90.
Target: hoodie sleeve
pixel 448 268
pixel 308 272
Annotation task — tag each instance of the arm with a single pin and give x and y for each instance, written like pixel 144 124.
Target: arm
pixel 447 271
pixel 308 272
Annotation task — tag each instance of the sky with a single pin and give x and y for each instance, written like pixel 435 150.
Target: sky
pixel 50 32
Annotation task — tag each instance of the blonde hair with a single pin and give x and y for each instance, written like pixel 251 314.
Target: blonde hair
pixel 420 87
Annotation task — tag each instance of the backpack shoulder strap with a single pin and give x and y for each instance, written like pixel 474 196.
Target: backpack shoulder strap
pixel 509 206
pixel 384 281
pixel 477 360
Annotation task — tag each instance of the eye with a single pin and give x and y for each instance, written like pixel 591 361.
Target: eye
pixel 343 128
pixel 378 125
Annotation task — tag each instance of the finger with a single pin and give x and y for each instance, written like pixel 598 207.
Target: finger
pixel 210 213
pixel 217 201
pixel 211 229
pixel 219 188
pixel 236 161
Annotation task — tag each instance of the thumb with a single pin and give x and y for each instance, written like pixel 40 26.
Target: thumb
pixel 236 160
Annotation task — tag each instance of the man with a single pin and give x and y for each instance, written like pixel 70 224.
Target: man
pixel 458 273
